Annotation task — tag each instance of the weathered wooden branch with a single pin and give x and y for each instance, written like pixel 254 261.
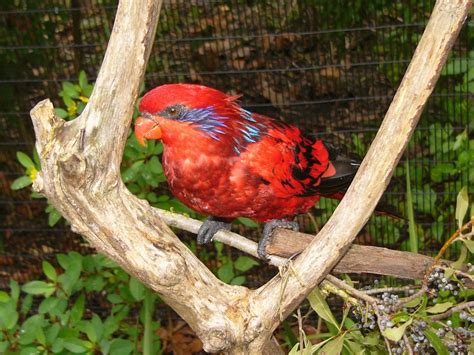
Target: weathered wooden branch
pixel 81 178
pixel 359 259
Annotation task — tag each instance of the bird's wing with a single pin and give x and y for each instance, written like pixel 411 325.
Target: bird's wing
pixel 289 163
pixel 295 165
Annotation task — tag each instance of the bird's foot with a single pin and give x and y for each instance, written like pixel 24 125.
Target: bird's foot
pixel 268 231
pixel 210 227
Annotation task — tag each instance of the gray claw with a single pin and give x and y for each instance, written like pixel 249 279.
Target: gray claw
pixel 268 231
pixel 209 228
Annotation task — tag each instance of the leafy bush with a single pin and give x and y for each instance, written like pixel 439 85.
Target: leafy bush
pixel 141 167
pixel 57 315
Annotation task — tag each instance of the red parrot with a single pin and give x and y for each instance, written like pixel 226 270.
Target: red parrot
pixel 226 162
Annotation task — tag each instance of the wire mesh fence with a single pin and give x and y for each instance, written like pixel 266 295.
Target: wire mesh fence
pixel 331 67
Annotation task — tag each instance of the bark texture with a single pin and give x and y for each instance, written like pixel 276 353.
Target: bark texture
pixel 81 178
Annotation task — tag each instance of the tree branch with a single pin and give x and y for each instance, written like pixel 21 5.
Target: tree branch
pixel 285 243
pixel 80 176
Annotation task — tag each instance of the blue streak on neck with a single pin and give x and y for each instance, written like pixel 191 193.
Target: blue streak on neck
pixel 206 120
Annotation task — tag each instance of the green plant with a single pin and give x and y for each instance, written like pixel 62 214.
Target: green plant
pixel 233 271
pixel 64 320
pixel 434 317
pixel 141 167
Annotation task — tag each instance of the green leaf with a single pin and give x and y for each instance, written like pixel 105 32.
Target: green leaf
pixel 245 263
pixel 26 304
pixel 48 304
pixel 30 350
pixel 94 283
pixel 39 288
pixel 4 297
pixel 313 349
pixel 89 329
pixel 137 290
pixel 248 222
pixel 52 333
pixel 70 89
pixel 396 333
pixel 130 173
pixel 87 90
pixel 155 165
pixel 226 272
pixel 25 160
pixel 354 348
pixel 460 138
pixel 462 204
pixel 239 280
pixel 334 346
pixel 82 79
pixel 110 326
pixel 49 271
pixel 58 345
pixel 60 112
pixel 69 280
pixel 439 308
pixel 21 182
pixel 469 244
pixel 9 318
pixel 14 290
pixel 121 347
pixel 76 345
pixel 40 336
pixel 413 303
pixel 95 334
pixel 462 257
pixel 78 309
pixel 29 329
pixel 436 343
pixel 295 350
pixel 320 306
pixel 53 217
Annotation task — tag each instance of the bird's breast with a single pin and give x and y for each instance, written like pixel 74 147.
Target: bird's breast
pixel 210 183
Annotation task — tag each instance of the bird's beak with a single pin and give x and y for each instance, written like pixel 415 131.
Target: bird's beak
pixel 146 128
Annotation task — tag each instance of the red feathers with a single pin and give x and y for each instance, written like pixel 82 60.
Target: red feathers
pixel 224 161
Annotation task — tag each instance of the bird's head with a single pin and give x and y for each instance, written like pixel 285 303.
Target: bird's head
pixel 169 112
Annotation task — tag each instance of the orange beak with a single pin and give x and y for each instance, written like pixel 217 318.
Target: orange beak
pixel 146 128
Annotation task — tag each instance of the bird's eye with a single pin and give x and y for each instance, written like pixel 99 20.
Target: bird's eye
pixel 174 111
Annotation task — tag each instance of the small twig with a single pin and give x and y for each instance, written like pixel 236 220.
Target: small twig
pixel 387 344
pixel 313 221
pixel 405 300
pixel 450 311
pixel 285 271
pixel 319 325
pixel 459 273
pixel 351 290
pixel 407 344
pixel 300 328
pixel 390 289
pixel 443 250
pixel 373 302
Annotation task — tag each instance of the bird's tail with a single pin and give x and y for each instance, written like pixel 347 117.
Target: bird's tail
pixel 339 176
